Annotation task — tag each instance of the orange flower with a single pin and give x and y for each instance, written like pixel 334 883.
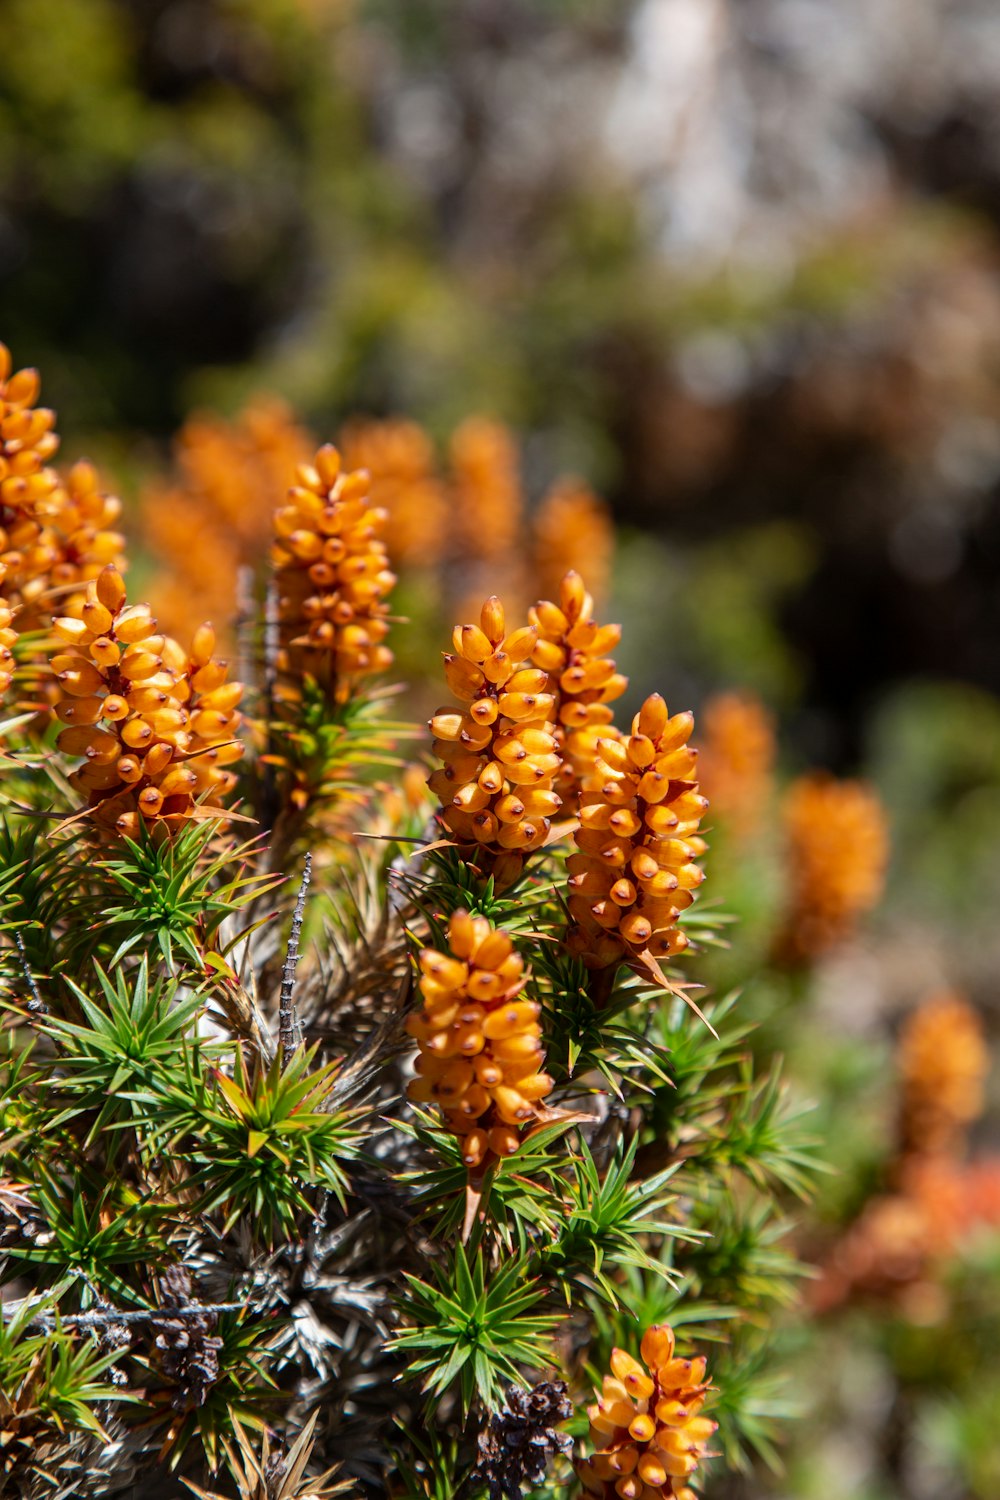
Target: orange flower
pixel 487 510
pixel 496 787
pixel 574 533
pixel 73 545
pixel 943 1062
pixel 647 1427
pixel 634 871
pixel 838 848
pixel 27 442
pixel 481 1054
pixel 332 576
pixel 489 501
pixel 202 558
pixel 155 725
pixel 399 457
pixel 27 483
pixel 216 517
pixel 571 647
pixel 737 760
pixel 883 1254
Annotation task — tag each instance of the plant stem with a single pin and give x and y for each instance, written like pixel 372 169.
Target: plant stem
pixel 286 1004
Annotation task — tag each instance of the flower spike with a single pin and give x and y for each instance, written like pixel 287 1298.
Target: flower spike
pixel 571 647
pixel 634 871
pixel 838 848
pixel 488 496
pixel 573 532
pixel 737 760
pixel 27 443
pixel 155 724
pixel 27 485
pixel 497 784
pixel 332 575
pixel 481 1055
pixel 647 1428
pixel 943 1063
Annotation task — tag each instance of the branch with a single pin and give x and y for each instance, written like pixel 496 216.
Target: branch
pixel 112 1315
pixel 36 1004
pixel 286 1005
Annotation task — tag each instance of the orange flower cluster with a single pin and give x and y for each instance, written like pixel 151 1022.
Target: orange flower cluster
pixel 634 871
pixel 838 848
pixel 156 726
pixel 573 533
pixel 27 442
pixel 399 457
pixel 481 1055
pixel 496 786
pixel 212 521
pixel 943 1063
pixel 489 501
pixel 886 1253
pixel 216 518
pixel 898 1246
pixel 332 575
pixel 895 1249
pixel 74 543
pixel 571 648
pixel 647 1427
pixel 54 533
pixel 737 760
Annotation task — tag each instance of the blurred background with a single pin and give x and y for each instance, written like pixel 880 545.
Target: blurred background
pixel 701 297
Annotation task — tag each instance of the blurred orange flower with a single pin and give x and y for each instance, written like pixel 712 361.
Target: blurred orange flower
pixel 837 851
pixel 737 760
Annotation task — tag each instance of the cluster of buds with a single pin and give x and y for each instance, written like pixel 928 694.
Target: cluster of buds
pixel 647 1428
pixel 737 760
pixel 574 532
pixel 332 575
pixel 571 647
pixel 399 456
pixel 943 1062
pixel 55 534
pixel 75 542
pixel 156 726
pixel 837 853
pixel 500 753
pixel 27 443
pixel 481 1054
pixel 634 871
pixel 27 485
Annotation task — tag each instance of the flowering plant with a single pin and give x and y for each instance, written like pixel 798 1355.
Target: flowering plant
pixel 356 1116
